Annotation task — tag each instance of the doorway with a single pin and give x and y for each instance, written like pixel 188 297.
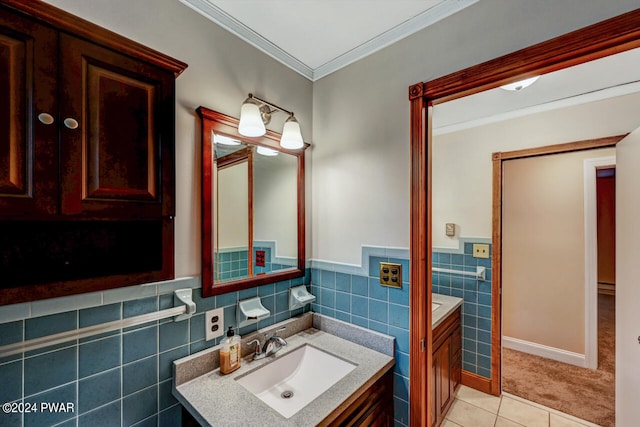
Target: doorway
pixel 549 250
pixel 606 229
pixel 596 41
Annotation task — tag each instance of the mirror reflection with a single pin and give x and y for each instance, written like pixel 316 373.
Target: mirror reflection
pixel 255 210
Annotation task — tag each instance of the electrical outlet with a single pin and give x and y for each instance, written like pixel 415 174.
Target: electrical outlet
pixel 214 323
pixel 391 274
pixel 480 250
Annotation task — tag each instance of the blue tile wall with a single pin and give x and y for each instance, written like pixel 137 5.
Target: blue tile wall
pixel 360 300
pixel 123 377
pixel 232 264
pixel 476 308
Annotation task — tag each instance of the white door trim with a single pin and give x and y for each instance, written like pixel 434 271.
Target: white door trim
pixel 591 258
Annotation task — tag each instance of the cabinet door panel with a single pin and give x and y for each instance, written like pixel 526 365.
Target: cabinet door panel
pixel 118 161
pixel 28 154
pixel 121 146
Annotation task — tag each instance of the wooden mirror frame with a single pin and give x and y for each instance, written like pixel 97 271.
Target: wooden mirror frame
pixel 596 41
pixel 213 121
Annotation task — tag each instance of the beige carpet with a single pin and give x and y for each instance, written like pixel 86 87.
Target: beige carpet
pixel 580 392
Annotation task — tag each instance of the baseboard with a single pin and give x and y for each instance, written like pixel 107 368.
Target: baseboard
pixel 475 381
pixel 545 351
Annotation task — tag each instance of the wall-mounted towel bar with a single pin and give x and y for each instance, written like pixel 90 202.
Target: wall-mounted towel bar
pixel 478 274
pixel 183 311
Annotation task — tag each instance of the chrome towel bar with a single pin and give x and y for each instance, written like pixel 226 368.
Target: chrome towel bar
pixel 479 274
pixel 181 312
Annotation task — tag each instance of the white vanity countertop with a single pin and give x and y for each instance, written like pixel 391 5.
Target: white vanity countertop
pixel 217 400
pixel 447 306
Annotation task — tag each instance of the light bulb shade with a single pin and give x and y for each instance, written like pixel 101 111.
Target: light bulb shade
pixel 291 136
pixel 250 120
pixel 266 151
pixel 519 85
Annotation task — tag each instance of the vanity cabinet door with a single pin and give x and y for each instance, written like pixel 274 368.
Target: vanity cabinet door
pixel 435 387
pixel 447 364
pixel 116 137
pixel 28 145
pixel 441 374
pixel 373 408
pixel 456 359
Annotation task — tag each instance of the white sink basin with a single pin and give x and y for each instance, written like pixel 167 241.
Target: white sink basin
pixel 292 381
pixel 434 306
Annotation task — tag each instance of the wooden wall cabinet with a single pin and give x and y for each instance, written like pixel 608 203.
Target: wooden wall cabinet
pixel 86 156
pixel 447 364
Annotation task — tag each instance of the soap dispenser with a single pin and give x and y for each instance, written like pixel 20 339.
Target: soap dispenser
pixel 230 352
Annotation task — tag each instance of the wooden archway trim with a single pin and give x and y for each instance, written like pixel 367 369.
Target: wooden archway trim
pixel 606 38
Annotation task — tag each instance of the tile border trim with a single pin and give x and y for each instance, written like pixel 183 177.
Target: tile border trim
pixel 28 310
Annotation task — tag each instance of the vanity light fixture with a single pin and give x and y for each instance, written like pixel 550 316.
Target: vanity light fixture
pixel 266 151
pixel 519 85
pixel 256 113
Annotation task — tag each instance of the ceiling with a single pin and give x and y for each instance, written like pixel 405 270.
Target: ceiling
pixel 317 37
pixel 604 78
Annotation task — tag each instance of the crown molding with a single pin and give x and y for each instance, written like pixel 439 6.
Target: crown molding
pixel 236 27
pixel 399 32
pixel 408 27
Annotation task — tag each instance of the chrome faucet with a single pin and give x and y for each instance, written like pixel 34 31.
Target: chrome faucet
pixel 271 345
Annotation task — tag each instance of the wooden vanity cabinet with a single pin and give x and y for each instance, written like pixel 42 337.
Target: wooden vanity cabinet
pixel 373 408
pixel 86 155
pixel 447 364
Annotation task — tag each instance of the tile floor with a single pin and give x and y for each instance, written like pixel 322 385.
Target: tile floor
pixel 473 408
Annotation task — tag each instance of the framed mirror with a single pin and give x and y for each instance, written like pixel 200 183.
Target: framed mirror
pixel 252 207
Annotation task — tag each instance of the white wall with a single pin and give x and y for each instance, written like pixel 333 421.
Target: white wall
pixel 359 166
pixel 627 280
pixel 222 70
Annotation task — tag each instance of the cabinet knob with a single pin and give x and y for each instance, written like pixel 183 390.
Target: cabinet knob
pixel 70 123
pixel 46 118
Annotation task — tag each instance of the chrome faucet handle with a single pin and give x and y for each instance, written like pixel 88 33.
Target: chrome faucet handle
pixel 257 349
pixel 275 334
pixel 281 341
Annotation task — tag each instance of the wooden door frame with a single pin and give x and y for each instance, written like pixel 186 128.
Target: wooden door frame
pixel 602 39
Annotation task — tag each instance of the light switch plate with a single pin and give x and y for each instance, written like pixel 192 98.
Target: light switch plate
pixel 214 323
pixel 480 250
pixel 450 229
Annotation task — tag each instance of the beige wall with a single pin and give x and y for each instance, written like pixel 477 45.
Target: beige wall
pixel 462 194
pixel 275 202
pixel 627 280
pixel 222 70
pixel 232 222
pixel 359 166
pixel 543 252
